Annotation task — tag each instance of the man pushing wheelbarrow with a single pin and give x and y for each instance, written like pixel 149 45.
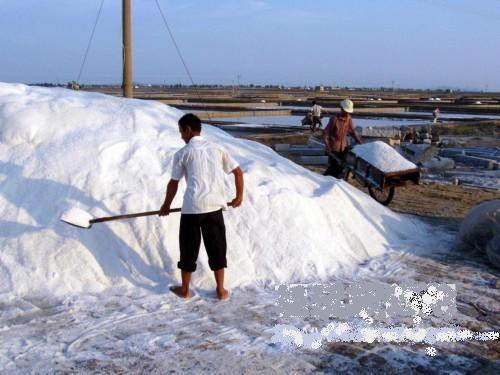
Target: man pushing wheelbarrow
pixel 335 138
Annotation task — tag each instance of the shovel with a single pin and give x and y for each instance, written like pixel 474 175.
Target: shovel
pixel 81 219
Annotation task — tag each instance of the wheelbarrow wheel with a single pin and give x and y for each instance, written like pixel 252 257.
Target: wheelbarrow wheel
pixel 382 196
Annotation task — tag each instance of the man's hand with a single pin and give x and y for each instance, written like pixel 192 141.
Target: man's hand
pixel 238 181
pixel 169 197
pixel 164 210
pixel 236 202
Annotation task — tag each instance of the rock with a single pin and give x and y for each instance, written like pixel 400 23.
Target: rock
pixel 394 142
pixel 480 230
pixel 477 161
pixel 307 151
pixel 283 147
pixel 489 368
pixel 373 360
pixel 439 164
pixel 419 153
pixel 493 251
pixel 314 160
pixel 380 132
pixel 314 142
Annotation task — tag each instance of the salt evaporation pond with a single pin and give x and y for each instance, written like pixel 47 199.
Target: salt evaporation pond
pixel 296 121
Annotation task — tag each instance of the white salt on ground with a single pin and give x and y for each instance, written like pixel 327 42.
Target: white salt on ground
pixel 383 157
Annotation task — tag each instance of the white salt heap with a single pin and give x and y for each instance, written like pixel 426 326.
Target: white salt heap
pixel 109 156
pixel 383 157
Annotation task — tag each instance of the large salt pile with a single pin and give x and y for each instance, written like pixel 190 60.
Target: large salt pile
pixel 107 156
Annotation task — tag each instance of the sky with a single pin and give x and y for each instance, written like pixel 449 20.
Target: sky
pixel 358 43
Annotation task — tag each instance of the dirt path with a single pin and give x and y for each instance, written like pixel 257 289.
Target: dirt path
pixel 435 200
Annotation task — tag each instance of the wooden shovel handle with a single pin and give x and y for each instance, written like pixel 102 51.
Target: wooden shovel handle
pixel 130 216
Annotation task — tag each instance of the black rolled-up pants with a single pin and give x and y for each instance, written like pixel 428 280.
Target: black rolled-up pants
pixel 334 168
pixel 209 225
pixel 316 120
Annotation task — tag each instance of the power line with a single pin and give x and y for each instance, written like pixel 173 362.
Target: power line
pixel 175 43
pixel 90 41
pixel 179 52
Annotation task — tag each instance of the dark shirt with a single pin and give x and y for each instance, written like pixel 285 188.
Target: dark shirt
pixel 336 132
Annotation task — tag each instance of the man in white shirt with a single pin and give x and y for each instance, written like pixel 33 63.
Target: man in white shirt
pixel 204 165
pixel 435 115
pixel 316 115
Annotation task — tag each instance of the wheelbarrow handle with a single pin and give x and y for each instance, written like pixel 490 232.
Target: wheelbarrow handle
pixel 336 158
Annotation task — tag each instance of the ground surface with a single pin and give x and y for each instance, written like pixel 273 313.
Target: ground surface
pixel 437 200
pixel 159 333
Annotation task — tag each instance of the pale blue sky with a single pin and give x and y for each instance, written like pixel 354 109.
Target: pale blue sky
pixel 415 43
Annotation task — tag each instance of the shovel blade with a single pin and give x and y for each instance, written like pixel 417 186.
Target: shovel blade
pixel 77 218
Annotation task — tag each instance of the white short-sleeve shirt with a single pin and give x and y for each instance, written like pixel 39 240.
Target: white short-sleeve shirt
pixel 316 110
pixel 204 165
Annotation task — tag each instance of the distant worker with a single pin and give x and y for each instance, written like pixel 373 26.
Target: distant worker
pixel 204 165
pixel 335 138
pixel 435 115
pixel 307 120
pixel 316 110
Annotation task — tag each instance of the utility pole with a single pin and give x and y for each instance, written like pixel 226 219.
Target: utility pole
pixel 239 85
pixel 127 49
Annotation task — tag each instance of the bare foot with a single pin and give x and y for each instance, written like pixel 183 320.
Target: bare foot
pixel 222 294
pixel 181 292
